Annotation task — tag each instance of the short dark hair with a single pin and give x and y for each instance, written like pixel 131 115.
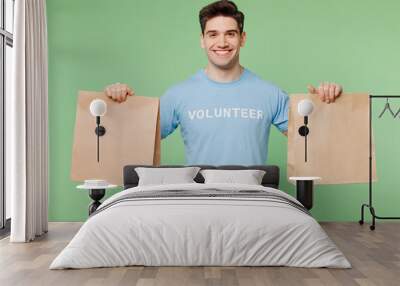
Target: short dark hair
pixel 221 8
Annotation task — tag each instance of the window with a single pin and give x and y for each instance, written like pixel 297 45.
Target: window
pixel 6 67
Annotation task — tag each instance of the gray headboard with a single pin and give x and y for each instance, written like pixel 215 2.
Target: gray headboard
pixel 270 179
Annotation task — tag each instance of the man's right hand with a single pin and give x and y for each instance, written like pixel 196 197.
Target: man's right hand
pixel 118 92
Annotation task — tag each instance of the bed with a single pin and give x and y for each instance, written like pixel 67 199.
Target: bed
pixel 198 224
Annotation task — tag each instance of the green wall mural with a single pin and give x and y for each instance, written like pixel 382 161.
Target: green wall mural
pixel 151 45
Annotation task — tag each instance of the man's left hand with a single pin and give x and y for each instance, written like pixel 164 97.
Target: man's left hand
pixel 327 91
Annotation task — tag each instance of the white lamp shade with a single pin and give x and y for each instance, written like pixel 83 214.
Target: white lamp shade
pixel 98 107
pixel 305 107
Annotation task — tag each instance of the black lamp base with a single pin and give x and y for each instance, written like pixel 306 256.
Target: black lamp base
pixel 303 130
pixel 100 130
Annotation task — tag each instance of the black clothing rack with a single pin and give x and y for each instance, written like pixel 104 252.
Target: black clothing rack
pixel 370 205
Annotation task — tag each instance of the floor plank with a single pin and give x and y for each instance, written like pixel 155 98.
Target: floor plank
pixel 375 257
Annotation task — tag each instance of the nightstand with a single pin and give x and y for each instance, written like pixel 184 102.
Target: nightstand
pixel 96 193
pixel 304 190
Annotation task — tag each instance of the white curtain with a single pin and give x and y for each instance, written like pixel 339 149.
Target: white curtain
pixel 27 124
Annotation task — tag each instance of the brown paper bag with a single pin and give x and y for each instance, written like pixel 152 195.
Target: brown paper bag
pixel 338 142
pixel 132 137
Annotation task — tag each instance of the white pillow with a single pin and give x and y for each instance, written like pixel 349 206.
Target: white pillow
pixel 161 176
pixel 249 177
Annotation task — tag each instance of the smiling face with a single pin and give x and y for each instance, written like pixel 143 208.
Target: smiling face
pixel 222 42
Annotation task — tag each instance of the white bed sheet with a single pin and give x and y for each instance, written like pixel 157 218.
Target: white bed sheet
pixel 200 231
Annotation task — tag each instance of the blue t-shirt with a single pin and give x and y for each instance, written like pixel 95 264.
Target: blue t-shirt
pixel 224 123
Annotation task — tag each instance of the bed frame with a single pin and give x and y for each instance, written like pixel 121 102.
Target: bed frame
pixel 270 179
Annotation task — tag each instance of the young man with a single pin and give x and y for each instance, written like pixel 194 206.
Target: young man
pixel 225 111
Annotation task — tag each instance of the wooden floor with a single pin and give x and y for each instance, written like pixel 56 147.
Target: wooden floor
pixel 375 257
